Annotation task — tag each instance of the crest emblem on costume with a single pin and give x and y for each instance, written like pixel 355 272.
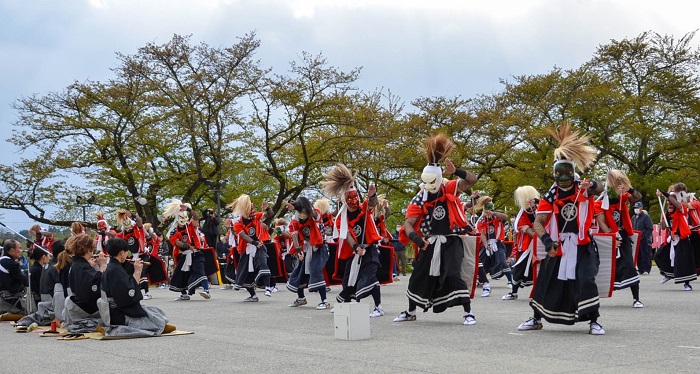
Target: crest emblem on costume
pixel 439 212
pixel 491 230
pixel 306 231
pixel 131 240
pixel 251 231
pixel 94 288
pixel 357 230
pixel 616 216
pixel 569 212
pixel 132 292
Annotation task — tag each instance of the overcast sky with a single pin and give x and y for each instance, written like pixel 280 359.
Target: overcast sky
pixel 413 48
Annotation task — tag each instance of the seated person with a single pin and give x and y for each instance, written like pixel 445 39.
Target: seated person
pixel 80 312
pixel 120 306
pixel 52 295
pixel 40 258
pixel 13 283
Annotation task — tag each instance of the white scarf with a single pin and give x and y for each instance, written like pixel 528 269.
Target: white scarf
pixel 567 266
pixel 674 241
pixel 343 214
pixel 491 246
pixel 188 260
pixel 354 269
pixel 308 254
pixel 251 250
pixel 437 240
pixel 525 256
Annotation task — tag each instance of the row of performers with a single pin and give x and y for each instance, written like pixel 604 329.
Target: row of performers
pixel 677 259
pixel 300 254
pixel 570 266
pixel 610 210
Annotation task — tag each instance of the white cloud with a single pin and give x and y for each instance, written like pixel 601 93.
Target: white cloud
pixel 99 4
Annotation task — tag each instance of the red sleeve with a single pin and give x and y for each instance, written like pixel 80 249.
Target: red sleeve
pixel 403 238
pixel 452 187
pixel 414 210
pixel 481 226
pixel 695 204
pixel 173 238
pixel 598 207
pixel 294 226
pixel 238 226
pixel 523 221
pixel 544 207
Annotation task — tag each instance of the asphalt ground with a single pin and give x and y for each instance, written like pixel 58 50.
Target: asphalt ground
pixel 270 337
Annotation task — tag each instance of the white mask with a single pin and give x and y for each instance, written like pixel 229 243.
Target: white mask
pixel 637 210
pixel 182 218
pixel 432 178
pixel 431 182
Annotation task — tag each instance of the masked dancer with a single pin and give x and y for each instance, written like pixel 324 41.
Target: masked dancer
pixel 565 291
pixel 357 238
pixel 434 219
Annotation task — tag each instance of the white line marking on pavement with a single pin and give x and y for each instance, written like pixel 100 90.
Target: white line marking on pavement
pixel 688 346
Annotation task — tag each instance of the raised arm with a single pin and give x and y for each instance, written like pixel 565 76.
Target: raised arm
pixel 466 179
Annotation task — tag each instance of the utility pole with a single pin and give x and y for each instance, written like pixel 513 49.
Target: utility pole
pixel 216 188
pixel 84 203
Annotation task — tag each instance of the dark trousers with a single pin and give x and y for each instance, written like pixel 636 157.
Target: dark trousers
pixel 644 260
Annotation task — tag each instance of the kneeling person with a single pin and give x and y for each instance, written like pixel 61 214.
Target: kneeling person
pixel 120 305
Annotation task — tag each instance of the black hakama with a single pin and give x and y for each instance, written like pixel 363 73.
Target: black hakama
pixel 188 280
pixel 568 301
pixel 448 289
pixel 314 279
pixel 366 277
pixel 494 263
pixel 522 270
pixel 625 272
pixel 684 269
pixel 247 277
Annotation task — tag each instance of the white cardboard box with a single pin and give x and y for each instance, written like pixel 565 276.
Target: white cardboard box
pixel 351 321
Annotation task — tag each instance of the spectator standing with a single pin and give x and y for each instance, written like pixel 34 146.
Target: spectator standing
pixel 210 227
pixel 642 222
pixel 399 251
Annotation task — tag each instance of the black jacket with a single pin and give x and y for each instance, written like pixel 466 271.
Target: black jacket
pixel 84 282
pixel 49 278
pixel 120 285
pixel 12 279
pixel 35 275
pixel 211 225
